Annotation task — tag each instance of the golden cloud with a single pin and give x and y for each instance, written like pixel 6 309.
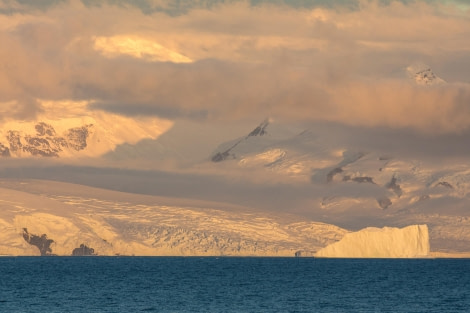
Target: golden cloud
pixel 140 48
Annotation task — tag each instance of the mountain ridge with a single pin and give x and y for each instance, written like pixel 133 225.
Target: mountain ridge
pixel 74 132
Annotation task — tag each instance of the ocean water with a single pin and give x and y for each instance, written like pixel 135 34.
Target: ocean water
pixel 177 284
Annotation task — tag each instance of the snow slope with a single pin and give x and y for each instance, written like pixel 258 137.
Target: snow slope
pixel 387 242
pixel 113 223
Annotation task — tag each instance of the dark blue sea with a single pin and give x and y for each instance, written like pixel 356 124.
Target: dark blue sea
pixel 167 284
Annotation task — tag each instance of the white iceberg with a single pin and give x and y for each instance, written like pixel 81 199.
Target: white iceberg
pixel 387 242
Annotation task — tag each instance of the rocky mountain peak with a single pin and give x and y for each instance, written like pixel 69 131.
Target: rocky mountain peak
pixel 45 142
pixel 260 130
pixel 422 74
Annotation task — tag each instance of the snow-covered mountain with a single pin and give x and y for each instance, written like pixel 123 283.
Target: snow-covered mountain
pixel 303 155
pixel 423 75
pixel 350 185
pixel 72 130
pixel 276 147
pixel 300 169
pixel 229 152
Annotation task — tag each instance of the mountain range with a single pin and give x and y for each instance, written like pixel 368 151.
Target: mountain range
pixel 280 188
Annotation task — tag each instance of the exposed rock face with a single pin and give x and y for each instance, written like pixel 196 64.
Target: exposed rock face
pixel 221 156
pixel 14 139
pixel 384 202
pixel 445 184
pixel 77 137
pixel 44 129
pixel 387 242
pixel 4 151
pixel 363 179
pixel 260 130
pixel 423 75
pixel 45 142
pixel 331 174
pixel 37 146
pixel 41 242
pixel 83 250
pixel 394 186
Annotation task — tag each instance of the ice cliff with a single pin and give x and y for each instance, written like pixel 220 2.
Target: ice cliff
pixel 387 242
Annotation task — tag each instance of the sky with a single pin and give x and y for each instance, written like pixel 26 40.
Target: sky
pixel 215 61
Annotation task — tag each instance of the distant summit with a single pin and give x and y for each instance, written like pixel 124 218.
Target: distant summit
pixel 72 130
pixel 45 142
pixel 423 75
pixel 228 153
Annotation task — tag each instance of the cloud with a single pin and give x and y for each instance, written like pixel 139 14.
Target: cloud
pixel 138 48
pixel 400 105
pixel 223 61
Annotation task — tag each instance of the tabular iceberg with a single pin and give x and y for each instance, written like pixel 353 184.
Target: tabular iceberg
pixel 387 242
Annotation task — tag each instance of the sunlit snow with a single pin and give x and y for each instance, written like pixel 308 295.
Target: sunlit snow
pixel 387 242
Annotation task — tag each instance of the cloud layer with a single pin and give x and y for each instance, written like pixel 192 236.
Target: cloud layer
pixel 343 62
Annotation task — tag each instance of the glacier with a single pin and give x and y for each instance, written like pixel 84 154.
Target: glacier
pixel 68 217
pixel 52 218
pixel 387 242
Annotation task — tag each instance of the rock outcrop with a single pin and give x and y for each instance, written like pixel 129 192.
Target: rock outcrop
pixel 83 250
pixel 41 242
pixel 45 142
